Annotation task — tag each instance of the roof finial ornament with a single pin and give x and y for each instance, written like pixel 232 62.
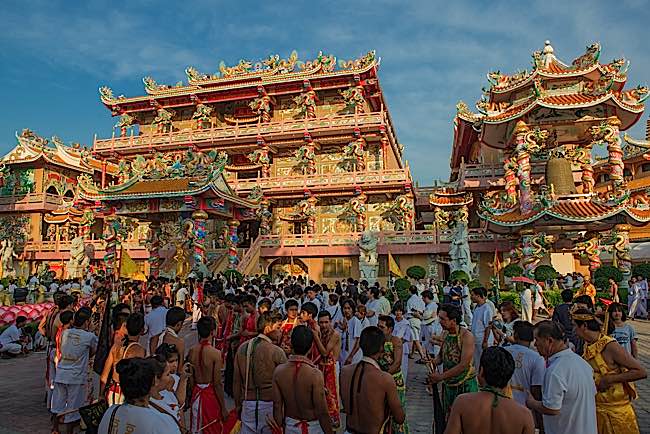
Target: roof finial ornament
pixel 547 54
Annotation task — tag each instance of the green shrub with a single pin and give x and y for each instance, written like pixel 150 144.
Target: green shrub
pixel 642 270
pixel 512 297
pixel 402 286
pixel 234 275
pixel 553 297
pixel 459 275
pixel 545 272
pixel 513 270
pixel 416 272
pixel 604 273
pixel 622 296
pixel 474 284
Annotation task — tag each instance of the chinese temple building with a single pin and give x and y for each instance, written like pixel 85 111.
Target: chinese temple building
pixel 311 144
pixel 37 195
pixel 528 158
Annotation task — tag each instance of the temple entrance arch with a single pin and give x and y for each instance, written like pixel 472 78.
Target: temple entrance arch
pixel 288 266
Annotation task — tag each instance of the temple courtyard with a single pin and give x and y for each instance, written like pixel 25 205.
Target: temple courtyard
pixel 23 409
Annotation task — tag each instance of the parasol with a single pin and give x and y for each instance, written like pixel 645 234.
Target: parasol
pixel 523 279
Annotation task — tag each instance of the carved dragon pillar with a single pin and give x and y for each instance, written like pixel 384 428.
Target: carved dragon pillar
pixel 153 243
pixel 590 248
pixel 111 227
pixel 527 141
pixel 262 105
pixel 306 155
pixel 231 243
pixel 265 215
pixel 608 132
pixel 358 207
pixel 621 252
pixel 261 156
pixel 385 144
pixel 534 246
pixel 510 167
pixel 199 234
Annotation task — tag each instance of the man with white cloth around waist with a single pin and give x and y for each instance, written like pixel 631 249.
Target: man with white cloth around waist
pixel 255 362
pixel 299 391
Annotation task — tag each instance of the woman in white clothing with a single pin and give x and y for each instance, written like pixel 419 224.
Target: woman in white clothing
pixel 136 415
pixel 169 391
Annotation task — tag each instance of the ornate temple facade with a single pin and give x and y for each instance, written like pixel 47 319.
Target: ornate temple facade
pixel 529 158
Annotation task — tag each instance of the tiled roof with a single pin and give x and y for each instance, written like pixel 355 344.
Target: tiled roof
pixel 572 210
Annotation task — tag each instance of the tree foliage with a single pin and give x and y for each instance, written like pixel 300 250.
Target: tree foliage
pixel 416 272
pixel 513 270
pixel 604 273
pixel 459 275
pixel 545 272
pixel 642 269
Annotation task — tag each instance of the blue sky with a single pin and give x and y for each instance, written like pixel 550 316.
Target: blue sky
pixel 55 54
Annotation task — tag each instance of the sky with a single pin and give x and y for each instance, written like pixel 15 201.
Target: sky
pixel 55 54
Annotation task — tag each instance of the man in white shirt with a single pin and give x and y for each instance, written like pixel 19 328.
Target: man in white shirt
pixel 334 308
pixel 529 366
pixel 374 307
pixel 11 338
pixel 402 329
pixel 77 346
pixel 350 328
pixel 526 301
pixel 311 297
pixel 181 296
pixel 568 402
pixel 481 319
pixel 54 286
pixel 466 304
pixel 430 324
pixel 414 310
pixel 155 323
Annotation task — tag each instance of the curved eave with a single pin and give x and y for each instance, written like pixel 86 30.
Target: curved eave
pixel 210 186
pixel 544 102
pixel 238 82
pixel 638 215
pixel 555 75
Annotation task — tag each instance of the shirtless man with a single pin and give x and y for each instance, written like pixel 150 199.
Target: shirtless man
pixel 329 346
pixel 291 306
pixel 174 323
pixel 368 393
pixel 48 327
pixel 119 351
pixel 249 322
pixel 208 406
pixel 255 362
pixel 490 410
pixel 298 390
pixel 308 316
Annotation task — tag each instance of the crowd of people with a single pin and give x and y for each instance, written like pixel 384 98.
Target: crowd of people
pixel 296 356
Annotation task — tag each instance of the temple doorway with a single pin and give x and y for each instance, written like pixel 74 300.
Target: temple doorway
pixel 288 266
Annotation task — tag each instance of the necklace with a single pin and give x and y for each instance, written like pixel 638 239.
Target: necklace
pixel 496 392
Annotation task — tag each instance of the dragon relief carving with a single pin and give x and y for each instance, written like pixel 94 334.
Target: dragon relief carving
pixel 354 99
pixel 202 115
pixel 590 249
pixel 163 120
pixel 635 96
pixel 242 68
pixel 306 159
pixel 262 105
pixel 326 63
pixel 588 59
pixel 124 123
pixel 360 62
pixel 354 153
pixel 357 206
pixel 261 157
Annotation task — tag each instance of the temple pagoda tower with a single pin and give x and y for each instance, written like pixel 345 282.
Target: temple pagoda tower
pixel 528 152
pixel 310 142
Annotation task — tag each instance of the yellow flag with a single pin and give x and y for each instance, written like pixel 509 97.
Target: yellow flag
pixel 129 269
pixel 393 267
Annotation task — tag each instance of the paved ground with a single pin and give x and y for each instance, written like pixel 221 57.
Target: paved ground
pixel 23 409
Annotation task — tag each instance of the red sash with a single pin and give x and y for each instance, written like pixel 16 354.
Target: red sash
pixel 209 410
pixel 328 368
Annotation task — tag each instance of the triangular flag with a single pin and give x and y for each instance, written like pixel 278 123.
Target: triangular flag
pixel 128 268
pixel 496 264
pixel 393 267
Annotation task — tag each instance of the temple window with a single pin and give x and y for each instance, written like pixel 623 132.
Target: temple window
pixel 645 168
pixel 52 190
pixel 69 194
pixel 337 267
